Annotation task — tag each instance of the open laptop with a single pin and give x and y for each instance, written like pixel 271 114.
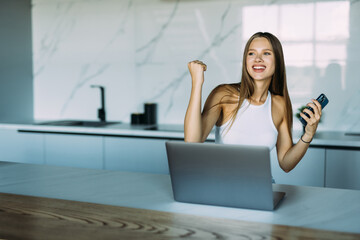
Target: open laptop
pixel 224 175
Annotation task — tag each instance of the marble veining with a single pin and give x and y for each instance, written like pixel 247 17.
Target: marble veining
pixel 84 79
pixel 122 25
pixel 150 46
pixel 56 32
pixel 218 39
pixel 139 49
pixel 92 70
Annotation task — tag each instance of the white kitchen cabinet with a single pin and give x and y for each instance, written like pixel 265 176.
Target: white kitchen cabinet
pixel 74 150
pixel 343 169
pixel 21 147
pixel 338 168
pixel 136 154
pixel 310 171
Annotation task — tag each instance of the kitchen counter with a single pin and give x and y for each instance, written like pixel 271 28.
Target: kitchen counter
pixel 122 129
pixel 42 218
pixel 308 207
pixel 172 131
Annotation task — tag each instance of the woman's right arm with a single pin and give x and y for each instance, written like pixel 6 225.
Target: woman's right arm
pixel 197 125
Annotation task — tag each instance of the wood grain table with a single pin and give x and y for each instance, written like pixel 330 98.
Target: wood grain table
pixel 26 217
pixel 49 202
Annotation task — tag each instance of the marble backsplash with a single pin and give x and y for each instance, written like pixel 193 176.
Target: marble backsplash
pixel 139 50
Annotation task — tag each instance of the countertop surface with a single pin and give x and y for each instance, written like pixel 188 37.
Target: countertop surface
pixel 120 129
pixel 335 139
pixel 42 218
pixel 309 207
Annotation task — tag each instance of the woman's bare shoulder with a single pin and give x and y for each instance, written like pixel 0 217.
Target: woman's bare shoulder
pixel 278 109
pixel 279 105
pixel 224 90
pixel 278 101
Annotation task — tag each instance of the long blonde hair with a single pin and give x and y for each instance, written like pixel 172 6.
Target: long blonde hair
pixel 278 84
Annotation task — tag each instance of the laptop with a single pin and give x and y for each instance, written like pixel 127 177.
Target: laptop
pixel 220 174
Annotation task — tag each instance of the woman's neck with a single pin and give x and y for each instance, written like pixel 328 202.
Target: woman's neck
pixel 260 92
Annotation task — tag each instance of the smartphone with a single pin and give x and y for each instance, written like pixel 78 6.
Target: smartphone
pixel 323 100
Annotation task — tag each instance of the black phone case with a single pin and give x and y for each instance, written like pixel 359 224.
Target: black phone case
pixel 323 100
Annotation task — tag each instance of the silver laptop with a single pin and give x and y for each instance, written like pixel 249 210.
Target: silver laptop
pixel 224 175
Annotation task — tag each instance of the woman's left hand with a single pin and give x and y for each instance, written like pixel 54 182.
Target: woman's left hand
pixel 313 120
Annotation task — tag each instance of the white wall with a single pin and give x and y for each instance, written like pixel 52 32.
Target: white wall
pixel 139 49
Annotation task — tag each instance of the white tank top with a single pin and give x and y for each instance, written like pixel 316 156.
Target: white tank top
pixel 253 125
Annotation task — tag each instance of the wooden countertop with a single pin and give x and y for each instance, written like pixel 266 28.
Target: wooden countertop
pixel 25 217
pixel 317 209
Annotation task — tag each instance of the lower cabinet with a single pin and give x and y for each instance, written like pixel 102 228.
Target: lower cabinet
pixel 337 168
pixel 21 147
pixel 136 154
pixel 74 150
pixel 309 171
pixel 343 169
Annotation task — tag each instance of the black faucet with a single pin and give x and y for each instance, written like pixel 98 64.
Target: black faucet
pixel 101 111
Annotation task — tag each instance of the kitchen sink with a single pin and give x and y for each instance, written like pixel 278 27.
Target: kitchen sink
pixel 78 123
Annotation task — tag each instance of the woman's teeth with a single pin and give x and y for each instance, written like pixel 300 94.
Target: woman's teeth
pixel 259 67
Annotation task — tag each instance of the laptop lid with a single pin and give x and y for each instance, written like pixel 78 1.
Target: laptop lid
pixel 224 175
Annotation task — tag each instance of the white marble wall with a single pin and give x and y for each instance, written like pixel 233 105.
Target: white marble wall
pixel 139 49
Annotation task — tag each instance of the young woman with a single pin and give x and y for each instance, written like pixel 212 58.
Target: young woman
pixel 256 111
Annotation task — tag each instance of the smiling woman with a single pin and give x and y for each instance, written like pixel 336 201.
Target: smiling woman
pixel 260 60
pixel 256 111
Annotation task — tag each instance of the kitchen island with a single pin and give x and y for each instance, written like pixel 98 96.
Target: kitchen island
pixel 316 209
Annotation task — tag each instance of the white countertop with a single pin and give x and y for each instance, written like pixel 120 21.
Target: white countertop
pixel 173 131
pixel 311 207
pixel 123 129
